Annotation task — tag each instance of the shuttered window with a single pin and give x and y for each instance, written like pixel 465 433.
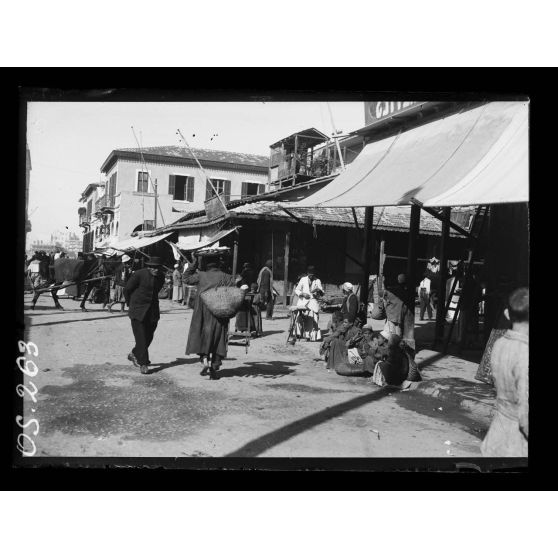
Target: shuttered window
pixel 171 184
pixel 190 189
pixel 143 178
pixel 223 188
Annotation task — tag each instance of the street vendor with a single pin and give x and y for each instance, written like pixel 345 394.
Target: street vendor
pixel 309 290
pixel 208 334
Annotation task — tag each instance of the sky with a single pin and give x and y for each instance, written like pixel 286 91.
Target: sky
pixel 69 142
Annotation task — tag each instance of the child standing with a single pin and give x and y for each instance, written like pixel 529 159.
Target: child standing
pixel 509 432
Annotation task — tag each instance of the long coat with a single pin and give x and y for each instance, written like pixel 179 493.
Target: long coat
pixel 208 334
pixel 141 294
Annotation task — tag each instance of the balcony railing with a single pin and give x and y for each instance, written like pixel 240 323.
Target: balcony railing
pixel 104 202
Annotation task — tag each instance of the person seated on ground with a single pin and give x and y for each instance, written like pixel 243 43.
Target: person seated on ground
pixel 359 348
pixel 333 324
pixel 395 366
pixel 338 344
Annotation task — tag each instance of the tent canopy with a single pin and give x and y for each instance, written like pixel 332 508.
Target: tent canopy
pixel 190 244
pixel 476 157
pixel 134 243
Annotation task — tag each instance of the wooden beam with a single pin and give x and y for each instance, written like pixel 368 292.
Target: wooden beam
pixel 414 228
pixel 441 306
pixel 381 265
pixel 366 252
pixel 286 268
pixel 332 245
pixel 235 255
pixel 443 218
pixel 357 225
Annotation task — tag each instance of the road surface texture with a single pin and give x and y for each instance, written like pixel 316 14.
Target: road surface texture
pixel 277 400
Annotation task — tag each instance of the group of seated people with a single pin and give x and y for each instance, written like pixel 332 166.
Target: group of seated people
pixel 353 348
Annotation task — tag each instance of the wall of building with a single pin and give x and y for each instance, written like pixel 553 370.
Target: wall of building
pixel 128 173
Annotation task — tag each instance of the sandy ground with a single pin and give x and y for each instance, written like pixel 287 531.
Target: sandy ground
pixel 277 400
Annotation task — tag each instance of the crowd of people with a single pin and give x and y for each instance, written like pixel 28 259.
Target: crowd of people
pixel 350 346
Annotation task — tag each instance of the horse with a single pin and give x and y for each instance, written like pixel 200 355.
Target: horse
pixel 74 271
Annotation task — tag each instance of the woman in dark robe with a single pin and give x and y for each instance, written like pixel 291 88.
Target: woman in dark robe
pixel 208 335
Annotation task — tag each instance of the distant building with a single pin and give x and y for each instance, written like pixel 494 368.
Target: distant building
pixel 124 203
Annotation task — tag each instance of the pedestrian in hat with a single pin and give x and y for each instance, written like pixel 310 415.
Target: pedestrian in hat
pixel 208 335
pixel 121 275
pixel 177 284
pixel 141 294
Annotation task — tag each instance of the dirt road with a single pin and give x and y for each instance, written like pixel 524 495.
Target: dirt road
pixel 276 401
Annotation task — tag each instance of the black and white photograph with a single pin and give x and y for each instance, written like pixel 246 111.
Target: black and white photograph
pixel 316 278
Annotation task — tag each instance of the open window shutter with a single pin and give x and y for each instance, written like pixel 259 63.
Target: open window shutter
pixel 227 191
pixel 208 190
pixel 172 179
pixel 190 189
pixel 244 191
pixel 261 188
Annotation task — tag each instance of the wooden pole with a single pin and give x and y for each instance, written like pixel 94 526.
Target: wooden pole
pixel 414 228
pixel 235 255
pixel 381 266
pixel 366 252
pixel 294 159
pixel 155 216
pixel 441 306
pixel 286 269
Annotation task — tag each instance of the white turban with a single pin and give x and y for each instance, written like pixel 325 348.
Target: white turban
pixel 347 286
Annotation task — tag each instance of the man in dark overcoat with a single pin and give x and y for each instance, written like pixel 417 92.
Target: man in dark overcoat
pixel 208 335
pixel 141 294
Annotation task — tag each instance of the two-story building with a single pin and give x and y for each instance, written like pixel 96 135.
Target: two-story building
pixel 153 188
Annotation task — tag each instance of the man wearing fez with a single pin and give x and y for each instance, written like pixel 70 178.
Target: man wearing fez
pixel 141 294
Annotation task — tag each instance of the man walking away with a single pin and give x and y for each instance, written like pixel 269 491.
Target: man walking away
pixel 424 297
pixel 141 294
pixel 265 287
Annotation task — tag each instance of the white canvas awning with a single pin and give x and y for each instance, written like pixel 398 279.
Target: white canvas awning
pixel 191 244
pixel 135 242
pixel 476 157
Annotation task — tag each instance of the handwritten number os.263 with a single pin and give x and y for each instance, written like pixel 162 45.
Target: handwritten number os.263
pixel 29 368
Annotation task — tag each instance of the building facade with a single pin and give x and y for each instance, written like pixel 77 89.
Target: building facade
pixel 154 188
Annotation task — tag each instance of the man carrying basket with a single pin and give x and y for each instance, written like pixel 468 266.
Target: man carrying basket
pixel 210 325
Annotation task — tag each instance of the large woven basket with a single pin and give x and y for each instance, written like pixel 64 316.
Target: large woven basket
pixel 223 302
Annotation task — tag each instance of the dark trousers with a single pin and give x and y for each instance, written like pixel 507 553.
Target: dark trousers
pixel 143 334
pixel 425 304
pixel 267 297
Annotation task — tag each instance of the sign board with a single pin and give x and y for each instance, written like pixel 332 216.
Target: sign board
pixel 214 208
pixel 376 110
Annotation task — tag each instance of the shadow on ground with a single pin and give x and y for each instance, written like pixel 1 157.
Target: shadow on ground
pixel 276 437
pixel 270 369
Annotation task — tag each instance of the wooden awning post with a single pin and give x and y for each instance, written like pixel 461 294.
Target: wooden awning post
pixel 366 252
pixel 441 305
pixel 235 254
pixel 286 268
pixel 381 265
pixel 412 251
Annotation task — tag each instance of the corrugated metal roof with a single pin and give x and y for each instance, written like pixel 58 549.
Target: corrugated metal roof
pixel 203 155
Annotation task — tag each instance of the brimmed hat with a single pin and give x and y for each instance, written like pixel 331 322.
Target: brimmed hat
pixel 367 326
pixel 347 286
pixel 155 261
